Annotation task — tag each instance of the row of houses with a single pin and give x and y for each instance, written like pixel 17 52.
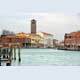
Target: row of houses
pixel 40 40
pixel 72 40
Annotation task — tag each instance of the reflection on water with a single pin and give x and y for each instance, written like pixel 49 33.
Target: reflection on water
pixel 47 57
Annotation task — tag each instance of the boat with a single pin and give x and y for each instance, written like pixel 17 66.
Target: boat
pixel 68 49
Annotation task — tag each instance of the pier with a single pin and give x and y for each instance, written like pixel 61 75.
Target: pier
pixel 7 54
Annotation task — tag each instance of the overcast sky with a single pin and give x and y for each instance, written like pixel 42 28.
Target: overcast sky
pixel 54 16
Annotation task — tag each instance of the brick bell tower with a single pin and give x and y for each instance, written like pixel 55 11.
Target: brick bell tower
pixel 33 26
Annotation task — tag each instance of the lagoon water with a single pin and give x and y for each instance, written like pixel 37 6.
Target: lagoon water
pixel 40 57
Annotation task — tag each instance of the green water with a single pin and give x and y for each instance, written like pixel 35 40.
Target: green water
pixel 38 57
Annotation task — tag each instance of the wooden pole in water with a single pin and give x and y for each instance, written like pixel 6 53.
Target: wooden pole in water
pixel 11 53
pixel 19 54
pixel 0 56
pixel 3 51
pixel 7 56
pixel 0 59
pixel 14 52
pixel 8 64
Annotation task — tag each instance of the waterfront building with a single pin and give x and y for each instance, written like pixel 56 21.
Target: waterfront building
pixel 18 38
pixel 25 39
pixel 31 40
pixel 6 40
pixel 33 26
pixel 72 40
pixel 61 44
pixel 36 40
pixel 55 43
pixel 48 39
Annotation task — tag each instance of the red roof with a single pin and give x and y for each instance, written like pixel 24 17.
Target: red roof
pixel 46 33
pixel 23 35
pixel 75 33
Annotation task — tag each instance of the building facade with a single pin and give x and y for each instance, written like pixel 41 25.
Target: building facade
pixel 26 40
pixel 31 40
pixel 47 39
pixel 72 40
pixel 55 43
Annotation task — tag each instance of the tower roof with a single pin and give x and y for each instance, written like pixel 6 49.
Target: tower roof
pixel 33 20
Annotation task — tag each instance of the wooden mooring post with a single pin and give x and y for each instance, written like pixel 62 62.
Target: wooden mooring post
pixel 16 47
pixel 11 53
pixel 0 60
pixel 0 56
pixel 19 54
pixel 14 52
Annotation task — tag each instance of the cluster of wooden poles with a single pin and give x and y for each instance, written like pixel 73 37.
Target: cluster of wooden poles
pixel 9 54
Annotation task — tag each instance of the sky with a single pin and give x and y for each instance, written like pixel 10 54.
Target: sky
pixel 54 16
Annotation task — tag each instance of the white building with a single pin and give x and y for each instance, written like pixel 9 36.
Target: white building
pixel 48 39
